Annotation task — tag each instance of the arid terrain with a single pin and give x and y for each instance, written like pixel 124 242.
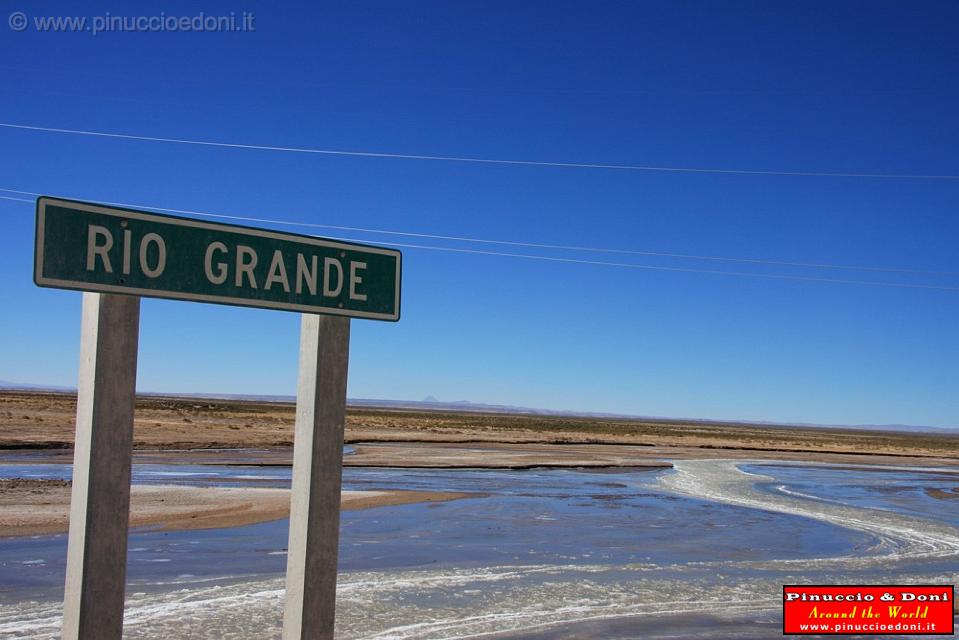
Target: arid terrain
pixel 491 522
pixel 201 431
pixel 46 421
pixel 35 507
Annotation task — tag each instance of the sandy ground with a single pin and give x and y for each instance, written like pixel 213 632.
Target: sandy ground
pixel 39 427
pixel 46 420
pixel 35 507
pixel 522 456
pixel 497 456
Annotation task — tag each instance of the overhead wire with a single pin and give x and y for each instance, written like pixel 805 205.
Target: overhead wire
pixel 513 243
pixel 554 259
pixel 469 159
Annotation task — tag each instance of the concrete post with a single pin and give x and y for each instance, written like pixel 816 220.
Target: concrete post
pixel 100 501
pixel 317 472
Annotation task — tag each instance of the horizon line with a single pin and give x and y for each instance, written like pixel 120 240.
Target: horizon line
pixel 478 407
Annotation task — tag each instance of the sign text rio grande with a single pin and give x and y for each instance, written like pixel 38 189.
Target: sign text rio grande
pixel 96 248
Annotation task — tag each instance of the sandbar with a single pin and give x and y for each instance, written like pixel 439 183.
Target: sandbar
pixel 40 507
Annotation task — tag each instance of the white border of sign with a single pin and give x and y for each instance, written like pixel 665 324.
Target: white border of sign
pixel 38 278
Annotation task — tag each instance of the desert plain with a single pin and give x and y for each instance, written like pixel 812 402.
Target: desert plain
pixel 191 430
pixel 475 523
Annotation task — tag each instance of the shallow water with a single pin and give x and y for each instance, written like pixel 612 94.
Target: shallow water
pixel 908 490
pixel 700 551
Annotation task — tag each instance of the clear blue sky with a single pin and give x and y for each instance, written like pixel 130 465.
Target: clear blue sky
pixel 865 87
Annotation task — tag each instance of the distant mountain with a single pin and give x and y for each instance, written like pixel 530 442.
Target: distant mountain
pixel 26 386
pixel 430 403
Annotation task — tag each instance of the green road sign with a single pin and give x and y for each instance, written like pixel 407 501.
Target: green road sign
pixel 92 247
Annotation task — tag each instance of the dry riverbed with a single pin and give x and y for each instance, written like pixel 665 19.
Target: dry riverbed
pixel 32 420
pixel 208 431
pixel 36 507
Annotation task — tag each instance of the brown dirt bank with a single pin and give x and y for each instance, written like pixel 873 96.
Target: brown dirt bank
pixel 497 456
pixel 30 420
pixel 593 456
pixel 444 455
pixel 35 507
pixel 944 494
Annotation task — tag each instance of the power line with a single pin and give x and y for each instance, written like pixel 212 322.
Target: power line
pixel 534 245
pixel 628 265
pixel 533 163
pixel 559 259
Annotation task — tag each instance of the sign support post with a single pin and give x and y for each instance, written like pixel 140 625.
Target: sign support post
pixel 115 255
pixel 317 476
pixel 100 501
